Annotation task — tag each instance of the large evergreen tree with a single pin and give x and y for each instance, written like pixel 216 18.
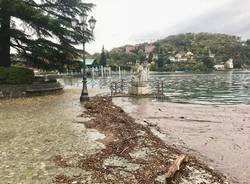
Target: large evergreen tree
pixel 103 58
pixel 41 31
pixel 162 58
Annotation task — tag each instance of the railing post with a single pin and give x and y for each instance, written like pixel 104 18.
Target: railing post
pixel 162 88
pixel 158 88
pixel 115 88
pixel 111 88
pixel 122 85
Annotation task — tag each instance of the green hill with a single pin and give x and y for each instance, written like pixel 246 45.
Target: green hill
pixel 192 51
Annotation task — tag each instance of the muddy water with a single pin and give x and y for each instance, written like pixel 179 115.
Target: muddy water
pixel 218 134
pixel 33 130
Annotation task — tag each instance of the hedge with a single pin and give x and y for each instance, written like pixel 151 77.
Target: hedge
pixel 16 75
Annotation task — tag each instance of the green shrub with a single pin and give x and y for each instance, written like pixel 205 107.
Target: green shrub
pixel 152 67
pixel 201 67
pixel 3 74
pixel 16 75
pixel 171 67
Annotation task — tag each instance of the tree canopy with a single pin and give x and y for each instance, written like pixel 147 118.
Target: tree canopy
pixel 41 31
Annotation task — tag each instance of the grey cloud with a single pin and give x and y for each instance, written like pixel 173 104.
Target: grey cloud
pixel 231 18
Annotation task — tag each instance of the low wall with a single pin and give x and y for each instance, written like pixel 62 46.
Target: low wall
pixel 16 91
pixel 12 91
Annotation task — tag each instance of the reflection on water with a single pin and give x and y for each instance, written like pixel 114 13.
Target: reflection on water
pixel 76 82
pixel 219 87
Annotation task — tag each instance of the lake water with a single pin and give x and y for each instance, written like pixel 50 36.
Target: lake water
pixel 220 87
pixel 227 87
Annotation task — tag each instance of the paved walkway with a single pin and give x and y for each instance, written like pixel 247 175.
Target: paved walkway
pixel 33 130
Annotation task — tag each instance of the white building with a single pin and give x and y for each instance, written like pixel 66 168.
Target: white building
pixel 181 57
pixel 229 64
pixel 210 54
pixel 219 67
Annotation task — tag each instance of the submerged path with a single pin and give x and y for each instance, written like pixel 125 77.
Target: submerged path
pixel 34 130
pixel 51 140
pixel 220 134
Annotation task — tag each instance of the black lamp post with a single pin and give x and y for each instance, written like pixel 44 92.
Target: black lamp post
pixel 84 26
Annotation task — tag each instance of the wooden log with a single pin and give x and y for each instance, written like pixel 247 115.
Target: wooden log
pixel 175 167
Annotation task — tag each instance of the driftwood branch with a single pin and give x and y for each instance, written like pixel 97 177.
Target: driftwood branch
pixel 173 169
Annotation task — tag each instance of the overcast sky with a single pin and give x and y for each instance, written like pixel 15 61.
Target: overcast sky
pixel 123 22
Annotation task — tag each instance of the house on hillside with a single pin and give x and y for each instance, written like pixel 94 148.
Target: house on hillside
pixel 149 48
pixel 225 65
pixel 130 48
pixel 210 54
pixel 229 64
pixel 182 57
pixel 219 67
pixel 155 56
pixel 172 59
pixel 190 55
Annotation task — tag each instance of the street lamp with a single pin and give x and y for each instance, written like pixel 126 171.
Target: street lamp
pixel 84 26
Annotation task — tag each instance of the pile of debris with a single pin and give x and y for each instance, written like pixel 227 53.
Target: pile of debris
pixel 132 153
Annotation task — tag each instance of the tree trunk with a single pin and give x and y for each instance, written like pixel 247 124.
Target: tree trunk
pixel 5 41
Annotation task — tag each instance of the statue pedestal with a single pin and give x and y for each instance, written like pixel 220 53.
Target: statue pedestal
pixel 139 82
pixel 137 89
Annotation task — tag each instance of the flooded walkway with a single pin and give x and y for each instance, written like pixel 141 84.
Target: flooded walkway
pixel 33 130
pixel 220 135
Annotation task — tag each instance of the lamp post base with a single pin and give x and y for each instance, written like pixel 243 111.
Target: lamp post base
pixel 84 95
pixel 84 98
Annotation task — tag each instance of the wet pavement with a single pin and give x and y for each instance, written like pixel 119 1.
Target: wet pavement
pixel 43 138
pixel 34 130
pixel 218 134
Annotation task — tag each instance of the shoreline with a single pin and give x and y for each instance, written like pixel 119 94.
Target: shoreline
pixel 201 103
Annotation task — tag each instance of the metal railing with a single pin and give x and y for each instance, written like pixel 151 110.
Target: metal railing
pixel 120 88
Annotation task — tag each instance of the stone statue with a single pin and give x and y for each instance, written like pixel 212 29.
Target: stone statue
pixel 139 75
pixel 139 83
